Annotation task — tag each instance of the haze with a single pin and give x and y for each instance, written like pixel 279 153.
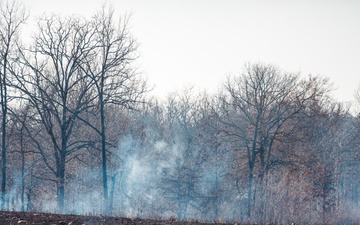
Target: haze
pixel 198 43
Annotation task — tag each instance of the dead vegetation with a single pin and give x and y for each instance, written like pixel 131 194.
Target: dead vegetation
pixel 35 218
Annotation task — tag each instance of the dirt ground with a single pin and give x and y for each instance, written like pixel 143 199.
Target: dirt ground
pixel 16 218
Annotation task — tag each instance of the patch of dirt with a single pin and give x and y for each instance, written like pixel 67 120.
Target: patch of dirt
pixel 34 218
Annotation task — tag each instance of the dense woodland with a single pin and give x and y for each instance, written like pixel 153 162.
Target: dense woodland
pixel 80 134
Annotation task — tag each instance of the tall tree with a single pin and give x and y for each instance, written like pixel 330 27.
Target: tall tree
pixel 57 89
pixel 114 79
pixel 258 107
pixel 13 15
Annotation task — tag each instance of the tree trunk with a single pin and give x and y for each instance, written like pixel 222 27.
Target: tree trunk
pixel 61 179
pixel 3 130
pixel 61 190
pixel 22 182
pixel 103 145
pixel 217 202
pixel 250 192
pixel 22 171
pixel 3 162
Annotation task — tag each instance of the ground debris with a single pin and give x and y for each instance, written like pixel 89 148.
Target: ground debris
pixel 36 218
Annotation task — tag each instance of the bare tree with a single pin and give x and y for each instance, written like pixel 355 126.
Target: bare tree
pixel 179 182
pixel 50 79
pixel 13 15
pixel 259 105
pixel 357 98
pixel 114 79
pixel 21 149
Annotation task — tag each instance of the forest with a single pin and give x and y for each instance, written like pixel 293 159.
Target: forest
pixel 82 134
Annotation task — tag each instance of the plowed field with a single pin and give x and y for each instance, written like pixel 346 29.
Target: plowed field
pixel 16 218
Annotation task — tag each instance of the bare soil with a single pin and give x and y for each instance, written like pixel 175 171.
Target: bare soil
pixel 23 218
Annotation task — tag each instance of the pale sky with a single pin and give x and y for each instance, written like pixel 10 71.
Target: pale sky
pixel 200 42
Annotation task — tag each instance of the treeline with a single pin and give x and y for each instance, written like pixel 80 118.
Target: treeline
pixel 79 134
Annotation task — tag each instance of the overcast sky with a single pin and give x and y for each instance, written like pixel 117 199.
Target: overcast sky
pixel 200 42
